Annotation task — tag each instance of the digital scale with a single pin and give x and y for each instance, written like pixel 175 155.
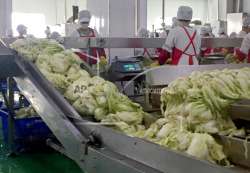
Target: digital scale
pixel 125 69
pixel 126 73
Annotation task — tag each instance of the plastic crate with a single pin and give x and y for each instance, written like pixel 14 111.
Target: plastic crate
pixel 29 133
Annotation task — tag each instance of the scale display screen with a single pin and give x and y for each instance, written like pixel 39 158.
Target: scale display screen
pixel 131 67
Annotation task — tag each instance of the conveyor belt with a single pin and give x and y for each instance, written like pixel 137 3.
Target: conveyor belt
pixel 96 148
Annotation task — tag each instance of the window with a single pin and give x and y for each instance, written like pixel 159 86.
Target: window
pixel 171 6
pixel 34 21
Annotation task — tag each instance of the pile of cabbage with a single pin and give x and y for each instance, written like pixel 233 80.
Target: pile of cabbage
pixel 203 99
pixel 90 96
pixel 174 133
pixel 95 97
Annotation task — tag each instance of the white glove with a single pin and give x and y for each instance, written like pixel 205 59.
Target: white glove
pixel 245 46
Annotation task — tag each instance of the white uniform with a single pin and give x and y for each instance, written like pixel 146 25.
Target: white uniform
pixel 177 38
pixel 242 34
pixel 77 34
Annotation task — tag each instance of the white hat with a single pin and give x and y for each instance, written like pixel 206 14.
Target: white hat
pixel 143 33
pixel 233 35
pixel 246 22
pixel 84 16
pixel 21 28
pixel 55 35
pixel 185 13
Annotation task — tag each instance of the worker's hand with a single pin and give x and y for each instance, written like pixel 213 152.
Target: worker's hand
pixel 154 64
pixel 225 51
pixel 103 61
pixel 169 61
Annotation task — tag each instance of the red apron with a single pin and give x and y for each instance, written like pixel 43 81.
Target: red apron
pixel 206 52
pixel 241 56
pixel 177 53
pixel 93 51
pixel 146 53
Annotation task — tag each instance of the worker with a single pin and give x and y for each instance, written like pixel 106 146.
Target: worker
pixel 222 33
pixel 233 35
pixel 85 31
pixel 243 53
pixel 245 27
pixel 183 43
pixel 210 30
pixel 205 33
pixel 174 22
pixel 229 50
pixel 22 31
pixel 143 33
pixel 56 36
pixel 47 32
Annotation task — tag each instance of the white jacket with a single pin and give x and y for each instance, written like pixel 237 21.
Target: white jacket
pixel 242 34
pixel 177 38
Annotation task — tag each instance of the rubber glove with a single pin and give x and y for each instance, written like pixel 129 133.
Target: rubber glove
pixel 155 64
pixel 103 61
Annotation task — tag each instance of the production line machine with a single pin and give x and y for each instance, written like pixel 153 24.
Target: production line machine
pixel 96 148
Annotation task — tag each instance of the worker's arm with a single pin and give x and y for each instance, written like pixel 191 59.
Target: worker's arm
pixel 164 53
pixel 244 50
pixel 163 56
pixel 101 51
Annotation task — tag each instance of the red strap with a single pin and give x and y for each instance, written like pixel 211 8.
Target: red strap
pixel 248 58
pixel 163 55
pixel 190 60
pixel 240 55
pixel 146 52
pixel 191 42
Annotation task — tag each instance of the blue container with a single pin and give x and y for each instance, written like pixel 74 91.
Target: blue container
pixel 3 85
pixel 29 133
pixel 4 88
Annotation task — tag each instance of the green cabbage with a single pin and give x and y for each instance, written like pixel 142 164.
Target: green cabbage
pixel 190 107
pixel 203 98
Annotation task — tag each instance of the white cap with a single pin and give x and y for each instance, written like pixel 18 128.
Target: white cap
pixel 84 16
pixel 185 13
pixel 143 33
pixel 55 35
pixel 246 22
pixel 21 28
pixel 233 35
